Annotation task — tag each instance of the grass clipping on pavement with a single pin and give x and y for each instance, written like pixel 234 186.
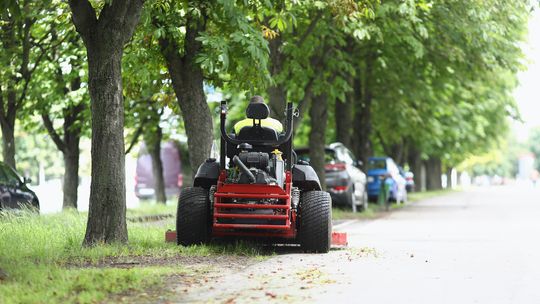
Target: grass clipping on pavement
pixel 42 259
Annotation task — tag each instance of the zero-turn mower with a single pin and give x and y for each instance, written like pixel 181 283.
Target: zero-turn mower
pixel 256 190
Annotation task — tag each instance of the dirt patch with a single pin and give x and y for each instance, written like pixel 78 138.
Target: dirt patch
pixel 149 260
pixel 194 273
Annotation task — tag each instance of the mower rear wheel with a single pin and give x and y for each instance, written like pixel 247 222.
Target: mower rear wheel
pixel 315 223
pixel 193 217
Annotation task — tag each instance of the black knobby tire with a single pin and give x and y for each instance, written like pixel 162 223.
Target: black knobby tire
pixel 315 221
pixel 193 217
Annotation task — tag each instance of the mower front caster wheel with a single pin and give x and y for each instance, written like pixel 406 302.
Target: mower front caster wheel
pixel 193 217
pixel 315 223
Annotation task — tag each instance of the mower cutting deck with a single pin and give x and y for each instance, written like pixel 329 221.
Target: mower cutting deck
pixel 339 239
pixel 257 190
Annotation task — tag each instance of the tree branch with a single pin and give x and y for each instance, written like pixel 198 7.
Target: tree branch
pixel 52 132
pixel 135 138
pixel 84 17
pixel 310 29
pixel 2 110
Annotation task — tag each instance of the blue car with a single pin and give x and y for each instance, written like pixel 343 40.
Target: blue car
pixel 378 169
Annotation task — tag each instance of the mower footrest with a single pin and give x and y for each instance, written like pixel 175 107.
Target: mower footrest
pixel 250 226
pixel 251 216
pixel 250 206
pixel 251 195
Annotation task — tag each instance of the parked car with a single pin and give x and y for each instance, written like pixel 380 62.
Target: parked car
pixel 409 179
pixel 14 193
pixel 345 182
pixel 172 172
pixel 384 167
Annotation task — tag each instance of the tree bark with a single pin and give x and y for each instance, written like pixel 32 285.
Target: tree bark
pixel 415 165
pixel 317 137
pixel 362 125
pixel 344 121
pixel 187 80
pixel 71 177
pixel 449 184
pixel 104 39
pixel 8 140
pixel 433 172
pixel 363 91
pixel 154 148
pixel 396 152
pixel 72 138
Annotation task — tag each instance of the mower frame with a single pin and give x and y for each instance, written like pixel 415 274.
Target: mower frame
pixel 283 210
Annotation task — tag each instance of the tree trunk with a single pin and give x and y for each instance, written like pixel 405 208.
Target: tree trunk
pixel 8 142
pixel 277 94
pixel 317 139
pixel 396 152
pixel 362 124
pixel 363 92
pixel 187 80
pixel 449 184
pixel 71 177
pixel 7 123
pixel 433 172
pixel 104 39
pixel 344 120
pixel 107 214
pixel 154 148
pixel 415 165
pixel 70 148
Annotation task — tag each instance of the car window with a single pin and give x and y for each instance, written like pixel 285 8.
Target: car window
pixel 392 167
pixel 350 156
pixel 344 157
pixel 376 164
pixel 11 176
pixel 329 156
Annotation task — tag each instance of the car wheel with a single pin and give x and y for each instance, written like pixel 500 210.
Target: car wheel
pixel 193 217
pixel 365 201
pixel 315 222
pixel 353 200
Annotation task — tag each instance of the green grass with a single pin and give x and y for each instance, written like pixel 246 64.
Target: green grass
pixel 45 262
pixel 418 196
pixel 152 208
pixel 347 214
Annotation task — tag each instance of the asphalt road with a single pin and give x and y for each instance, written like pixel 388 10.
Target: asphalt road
pixel 476 246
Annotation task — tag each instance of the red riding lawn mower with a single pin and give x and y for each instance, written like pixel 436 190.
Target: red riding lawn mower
pixel 260 192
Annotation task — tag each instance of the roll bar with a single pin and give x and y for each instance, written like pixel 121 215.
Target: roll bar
pixel 255 142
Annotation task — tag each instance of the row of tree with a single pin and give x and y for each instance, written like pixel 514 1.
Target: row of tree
pixel 426 82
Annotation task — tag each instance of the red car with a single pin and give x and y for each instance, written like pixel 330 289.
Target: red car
pixel 172 172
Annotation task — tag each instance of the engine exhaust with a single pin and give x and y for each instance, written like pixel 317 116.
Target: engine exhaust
pixel 244 169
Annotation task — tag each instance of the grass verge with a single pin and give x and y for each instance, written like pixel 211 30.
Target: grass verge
pixel 42 260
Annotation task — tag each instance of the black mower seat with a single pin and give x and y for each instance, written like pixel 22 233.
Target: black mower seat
pixel 257 110
pixel 258 133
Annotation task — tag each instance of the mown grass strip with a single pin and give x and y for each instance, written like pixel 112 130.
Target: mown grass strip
pixel 44 262
pixel 374 210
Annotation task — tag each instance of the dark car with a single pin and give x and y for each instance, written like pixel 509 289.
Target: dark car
pixel 14 193
pixel 172 172
pixel 345 182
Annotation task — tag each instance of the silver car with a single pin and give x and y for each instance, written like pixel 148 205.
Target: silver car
pixel 345 182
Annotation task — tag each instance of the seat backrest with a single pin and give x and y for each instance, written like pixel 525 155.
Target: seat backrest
pixel 258 133
pixel 257 110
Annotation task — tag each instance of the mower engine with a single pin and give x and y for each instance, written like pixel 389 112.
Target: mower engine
pixel 258 168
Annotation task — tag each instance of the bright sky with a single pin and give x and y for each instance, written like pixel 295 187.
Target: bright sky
pixel 528 93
